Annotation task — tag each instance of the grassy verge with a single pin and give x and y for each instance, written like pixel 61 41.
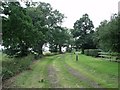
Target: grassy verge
pixel 13 66
pixel 103 72
pixel 36 77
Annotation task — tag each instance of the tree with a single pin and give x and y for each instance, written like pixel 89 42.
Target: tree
pixel 58 38
pixel 70 41
pixel 44 19
pixel 0 30
pixel 18 35
pixel 83 28
pixel 39 19
pixel 26 29
pixel 108 34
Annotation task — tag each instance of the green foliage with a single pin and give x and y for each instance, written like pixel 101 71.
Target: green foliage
pixel 83 30
pixel 50 54
pixel 44 20
pixel 26 29
pixel 13 66
pixel 92 52
pixel 17 29
pixel 58 37
pixel 108 35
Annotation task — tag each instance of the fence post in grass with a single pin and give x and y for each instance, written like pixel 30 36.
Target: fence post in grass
pixel 76 56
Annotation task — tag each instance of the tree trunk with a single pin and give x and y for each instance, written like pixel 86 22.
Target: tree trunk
pixel 82 50
pixel 40 49
pixel 24 50
pixel 68 49
pixel 56 48
pixel 60 49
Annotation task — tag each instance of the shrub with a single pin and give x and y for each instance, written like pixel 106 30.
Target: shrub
pixel 13 66
pixel 116 55
pixel 50 54
pixel 6 73
pixel 92 52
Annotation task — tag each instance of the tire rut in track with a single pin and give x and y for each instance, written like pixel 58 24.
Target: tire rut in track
pixel 52 77
pixel 85 79
pixel 78 74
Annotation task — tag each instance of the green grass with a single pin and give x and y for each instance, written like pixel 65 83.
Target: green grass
pixel 65 78
pixel 103 72
pixel 32 78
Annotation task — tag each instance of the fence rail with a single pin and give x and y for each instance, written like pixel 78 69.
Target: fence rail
pixel 109 57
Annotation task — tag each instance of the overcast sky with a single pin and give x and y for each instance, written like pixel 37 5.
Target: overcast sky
pixel 98 10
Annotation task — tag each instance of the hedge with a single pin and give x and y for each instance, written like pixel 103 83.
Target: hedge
pixel 13 66
pixel 92 52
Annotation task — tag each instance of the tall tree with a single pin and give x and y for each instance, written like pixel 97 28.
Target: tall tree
pixel 58 38
pixel 108 34
pixel 44 20
pixel 82 30
pixel 18 36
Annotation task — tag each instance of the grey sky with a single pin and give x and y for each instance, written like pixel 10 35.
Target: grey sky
pixel 98 10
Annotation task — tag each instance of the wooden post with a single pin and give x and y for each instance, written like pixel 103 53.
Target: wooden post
pixel 76 56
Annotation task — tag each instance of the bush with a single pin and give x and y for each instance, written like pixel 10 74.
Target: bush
pixel 50 54
pixel 69 50
pixel 6 73
pixel 114 54
pixel 92 52
pixel 13 66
